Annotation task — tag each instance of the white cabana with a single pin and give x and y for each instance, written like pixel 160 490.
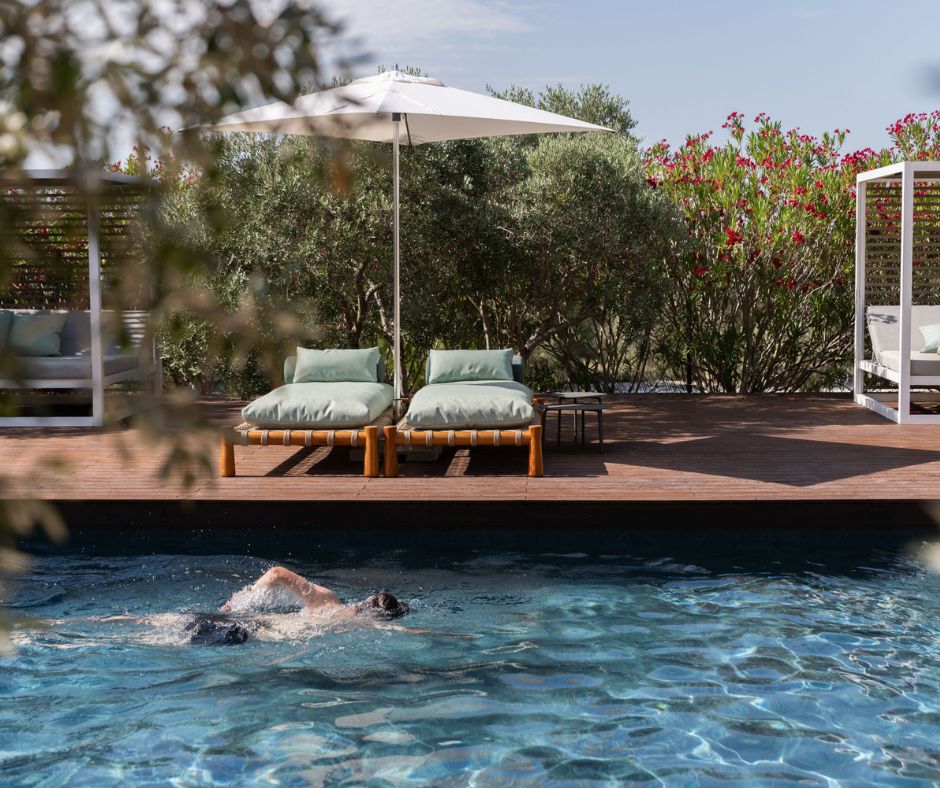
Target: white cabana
pixel 897 279
pixel 397 107
pixel 75 222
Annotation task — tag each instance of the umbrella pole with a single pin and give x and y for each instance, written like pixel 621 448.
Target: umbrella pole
pixel 396 351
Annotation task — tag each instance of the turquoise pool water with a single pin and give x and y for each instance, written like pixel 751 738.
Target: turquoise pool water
pixel 598 669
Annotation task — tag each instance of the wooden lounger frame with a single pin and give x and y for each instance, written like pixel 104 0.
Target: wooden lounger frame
pixel 530 436
pixel 367 437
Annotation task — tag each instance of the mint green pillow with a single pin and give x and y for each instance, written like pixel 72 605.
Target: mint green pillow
pixel 931 335
pixel 454 366
pixel 38 334
pixel 336 366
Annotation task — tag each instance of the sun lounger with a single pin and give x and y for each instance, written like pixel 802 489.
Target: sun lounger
pixel 471 398
pixel 325 401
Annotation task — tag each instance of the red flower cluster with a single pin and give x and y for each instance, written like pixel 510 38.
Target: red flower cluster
pixel 898 128
pixel 761 198
pixel 859 160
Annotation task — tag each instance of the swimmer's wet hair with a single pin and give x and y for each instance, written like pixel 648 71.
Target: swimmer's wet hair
pixel 382 605
pixel 216 631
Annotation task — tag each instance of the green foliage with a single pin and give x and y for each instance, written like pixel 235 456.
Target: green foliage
pixel 515 242
pixel 593 103
pixel 591 238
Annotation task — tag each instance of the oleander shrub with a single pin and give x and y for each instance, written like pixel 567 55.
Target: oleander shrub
pixel 761 295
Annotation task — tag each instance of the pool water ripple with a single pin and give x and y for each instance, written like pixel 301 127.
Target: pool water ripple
pixel 538 668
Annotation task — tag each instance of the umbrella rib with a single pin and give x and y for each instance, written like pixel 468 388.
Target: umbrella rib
pixel 407 129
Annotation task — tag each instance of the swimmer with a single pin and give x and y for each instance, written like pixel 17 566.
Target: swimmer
pixel 377 609
pixel 382 606
pixel 256 611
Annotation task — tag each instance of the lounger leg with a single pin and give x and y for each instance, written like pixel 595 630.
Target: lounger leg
pixel 226 456
pixel 371 462
pixel 391 453
pixel 535 450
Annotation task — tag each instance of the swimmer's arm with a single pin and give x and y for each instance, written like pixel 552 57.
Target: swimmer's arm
pixel 406 630
pixel 103 619
pixel 55 622
pixel 311 594
pixel 411 631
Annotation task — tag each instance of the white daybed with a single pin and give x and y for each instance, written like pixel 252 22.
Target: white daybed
pixel 83 358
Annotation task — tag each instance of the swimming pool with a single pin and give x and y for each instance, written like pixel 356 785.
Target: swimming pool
pixel 593 668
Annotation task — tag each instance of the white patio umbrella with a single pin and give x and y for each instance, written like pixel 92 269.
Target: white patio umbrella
pixel 395 107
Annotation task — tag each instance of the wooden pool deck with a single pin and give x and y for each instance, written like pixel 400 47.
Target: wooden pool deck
pixel 763 453
pixel 658 448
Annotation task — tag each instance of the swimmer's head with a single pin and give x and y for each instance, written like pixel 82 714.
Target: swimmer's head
pixel 382 605
pixel 216 631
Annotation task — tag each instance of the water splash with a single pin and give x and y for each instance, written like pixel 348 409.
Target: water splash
pixel 252 599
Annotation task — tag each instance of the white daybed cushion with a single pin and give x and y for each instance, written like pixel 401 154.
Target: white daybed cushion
pixel 884 330
pixel 73 367
pixel 922 364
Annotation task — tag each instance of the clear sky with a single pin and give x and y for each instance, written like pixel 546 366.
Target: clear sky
pixel 683 64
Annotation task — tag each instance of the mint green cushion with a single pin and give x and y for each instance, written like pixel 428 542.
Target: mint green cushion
pixel 38 334
pixel 454 366
pixel 6 320
pixel 336 366
pixel 320 405
pixel 471 404
pixel 290 365
pixel 931 336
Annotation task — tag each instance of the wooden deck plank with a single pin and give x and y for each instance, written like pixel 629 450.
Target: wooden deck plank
pixel 660 448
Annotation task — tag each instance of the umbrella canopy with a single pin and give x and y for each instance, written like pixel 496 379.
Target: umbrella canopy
pixel 396 107
pixel 432 112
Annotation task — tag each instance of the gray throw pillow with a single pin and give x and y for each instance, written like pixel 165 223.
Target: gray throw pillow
pixel 38 334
